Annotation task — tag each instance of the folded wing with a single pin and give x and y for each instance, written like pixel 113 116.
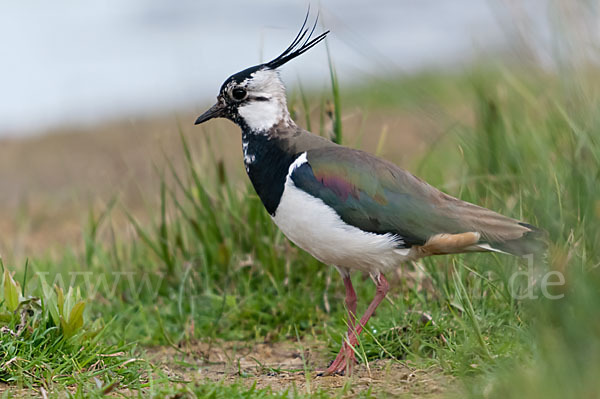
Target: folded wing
pixel 377 196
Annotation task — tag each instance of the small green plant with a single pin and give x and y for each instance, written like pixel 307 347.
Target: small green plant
pixel 65 311
pixel 45 339
pixel 11 292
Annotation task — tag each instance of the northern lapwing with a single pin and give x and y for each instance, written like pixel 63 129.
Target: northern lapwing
pixel 348 208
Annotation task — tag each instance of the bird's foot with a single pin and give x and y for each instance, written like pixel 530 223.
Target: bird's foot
pixel 343 363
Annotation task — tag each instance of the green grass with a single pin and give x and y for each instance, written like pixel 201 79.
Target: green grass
pixel 45 342
pixel 212 266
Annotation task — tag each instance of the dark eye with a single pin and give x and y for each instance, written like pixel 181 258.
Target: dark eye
pixel 238 93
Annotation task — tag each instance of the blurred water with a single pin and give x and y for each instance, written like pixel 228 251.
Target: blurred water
pixel 73 62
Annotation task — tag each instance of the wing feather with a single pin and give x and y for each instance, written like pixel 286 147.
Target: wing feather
pixel 377 196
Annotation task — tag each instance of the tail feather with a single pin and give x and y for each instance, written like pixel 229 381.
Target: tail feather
pixel 502 233
pixel 532 242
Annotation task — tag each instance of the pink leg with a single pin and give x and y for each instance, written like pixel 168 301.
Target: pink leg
pixel 350 302
pixel 346 351
pixel 345 359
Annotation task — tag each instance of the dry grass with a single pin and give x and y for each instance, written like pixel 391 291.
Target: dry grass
pixel 48 183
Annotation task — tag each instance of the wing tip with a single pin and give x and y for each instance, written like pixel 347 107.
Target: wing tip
pixel 533 242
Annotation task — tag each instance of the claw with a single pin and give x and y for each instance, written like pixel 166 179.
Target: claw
pixel 343 362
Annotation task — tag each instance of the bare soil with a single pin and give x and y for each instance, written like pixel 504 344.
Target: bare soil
pixel 282 366
pixel 293 365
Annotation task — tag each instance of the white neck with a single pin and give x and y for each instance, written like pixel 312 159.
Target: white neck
pixel 263 115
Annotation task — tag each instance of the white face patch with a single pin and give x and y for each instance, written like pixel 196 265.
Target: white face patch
pixel 261 115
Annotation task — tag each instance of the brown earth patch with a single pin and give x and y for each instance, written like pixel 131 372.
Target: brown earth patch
pixel 287 365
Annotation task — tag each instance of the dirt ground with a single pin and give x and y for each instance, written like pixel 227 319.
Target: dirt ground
pixel 282 365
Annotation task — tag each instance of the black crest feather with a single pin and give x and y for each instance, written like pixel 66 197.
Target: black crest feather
pixel 293 50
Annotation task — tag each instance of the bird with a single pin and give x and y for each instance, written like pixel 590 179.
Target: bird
pixel 348 208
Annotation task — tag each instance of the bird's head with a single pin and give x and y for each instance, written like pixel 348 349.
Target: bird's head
pixel 255 97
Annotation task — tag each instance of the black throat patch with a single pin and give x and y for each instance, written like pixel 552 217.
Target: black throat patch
pixel 267 164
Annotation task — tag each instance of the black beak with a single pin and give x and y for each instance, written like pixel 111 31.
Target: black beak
pixel 216 111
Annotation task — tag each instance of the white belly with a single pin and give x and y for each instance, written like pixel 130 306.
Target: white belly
pixel 315 227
